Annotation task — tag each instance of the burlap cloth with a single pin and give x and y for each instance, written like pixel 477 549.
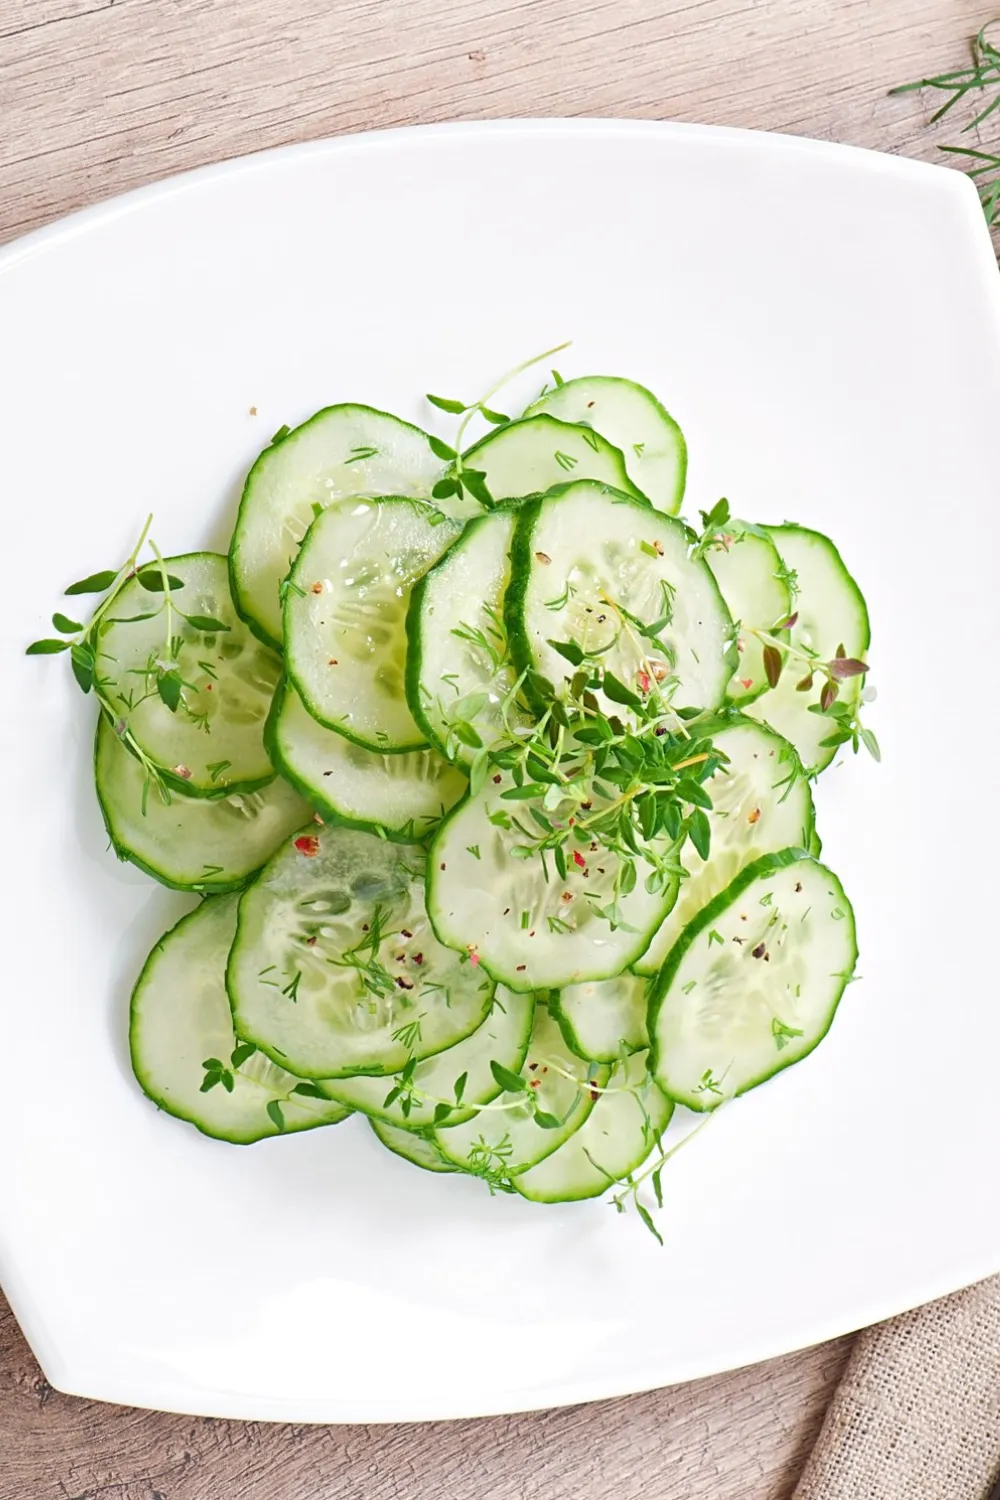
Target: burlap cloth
pixel 917 1414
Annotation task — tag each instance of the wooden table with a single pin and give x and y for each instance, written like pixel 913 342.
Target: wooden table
pixel 97 96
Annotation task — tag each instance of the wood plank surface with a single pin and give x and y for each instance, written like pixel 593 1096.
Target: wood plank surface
pixel 97 96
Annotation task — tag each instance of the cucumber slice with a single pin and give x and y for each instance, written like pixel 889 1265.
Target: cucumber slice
pixel 345 616
pixel 633 420
pixel 752 578
pixel 499 1142
pixel 831 613
pixel 612 1142
pixel 405 796
pixel 603 1020
pixel 761 802
pixel 222 681
pixel 341 452
pixel 180 1019
pixel 459 672
pixel 583 554
pixel 529 928
pixel 531 455
pixel 335 969
pixel 502 1038
pixel 421 1150
pixel 190 843
pixel 753 983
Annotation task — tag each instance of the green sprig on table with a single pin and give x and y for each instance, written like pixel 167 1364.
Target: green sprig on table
pixel 981 82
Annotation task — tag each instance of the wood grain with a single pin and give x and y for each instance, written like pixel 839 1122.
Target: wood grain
pixel 742 1436
pixel 97 96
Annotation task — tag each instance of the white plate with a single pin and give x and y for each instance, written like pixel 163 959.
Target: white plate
pixel 826 325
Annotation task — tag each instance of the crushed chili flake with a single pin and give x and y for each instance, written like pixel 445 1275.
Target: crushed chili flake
pixel 404 983
pixel 307 844
pixel 473 956
pixel 536 1083
pixel 542 557
pixel 567 895
pixel 208 687
pixel 521 968
pixel 311 942
pixel 418 958
pixel 497 779
pixel 754 815
pixel 643 680
pixel 253 411
pixel 746 683
pixel 758 952
pixel 403 932
pixel 316 588
pixel 182 772
pixel 333 662
pixel 532 1066
pixel 443 866
pixel 578 859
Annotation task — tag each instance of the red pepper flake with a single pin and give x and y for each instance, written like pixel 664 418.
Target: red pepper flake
pixel 532 1066
pixel 418 958
pixel 401 958
pixel 531 934
pixel 333 662
pixel 595 1095
pixel 316 588
pixel 364 927
pixel 535 1083
pixel 759 951
pixel 253 411
pixel 404 983
pixel 754 815
pixel 746 683
pixel 182 772
pixel 307 844
pixel 403 932
pixel 208 687
pixel 473 955
pixel 643 680
pixel 497 779
pixel 520 968
pixel 542 557
pixel 578 859
pixel 567 895
pixel 311 942
pixel 443 866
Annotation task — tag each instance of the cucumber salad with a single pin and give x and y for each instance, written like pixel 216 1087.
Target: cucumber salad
pixel 494 779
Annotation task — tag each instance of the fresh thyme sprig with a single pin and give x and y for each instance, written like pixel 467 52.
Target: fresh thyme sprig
pixel 583 781
pixel 461 479
pixel 160 674
pixel 219 1073
pixel 846 723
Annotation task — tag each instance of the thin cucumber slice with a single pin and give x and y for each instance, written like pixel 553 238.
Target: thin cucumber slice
pixel 633 420
pixel 335 969
pixel 190 843
pixel 753 983
pixel 459 672
pixel 583 556
pixel 612 1142
pixel 602 1020
pixel 529 456
pixel 421 1150
pixel 341 452
pixel 180 1019
pixel 530 928
pixel 831 613
pixel 194 699
pixel 761 802
pixel 345 616
pixel 404 796
pixel 501 1141
pixel 753 580
pixel 466 1067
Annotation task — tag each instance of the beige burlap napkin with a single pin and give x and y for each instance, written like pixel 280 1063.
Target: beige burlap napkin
pixel 917 1414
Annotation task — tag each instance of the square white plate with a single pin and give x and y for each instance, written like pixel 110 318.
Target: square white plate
pixel 825 324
